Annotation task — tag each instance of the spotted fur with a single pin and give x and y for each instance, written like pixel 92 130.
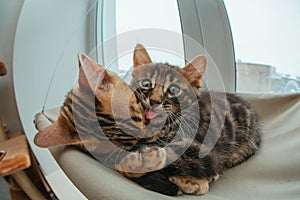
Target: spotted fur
pixel 87 117
pixel 102 116
pixel 165 152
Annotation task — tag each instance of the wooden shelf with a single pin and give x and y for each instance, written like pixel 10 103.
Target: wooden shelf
pixel 17 155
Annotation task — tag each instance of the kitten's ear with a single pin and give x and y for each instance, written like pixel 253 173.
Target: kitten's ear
pixel 140 56
pixel 195 70
pixel 59 133
pixel 3 70
pixel 91 74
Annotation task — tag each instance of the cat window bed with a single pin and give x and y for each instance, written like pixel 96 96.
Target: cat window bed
pixel 273 173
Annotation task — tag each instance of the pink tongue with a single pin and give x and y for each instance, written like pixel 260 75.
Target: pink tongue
pixel 150 114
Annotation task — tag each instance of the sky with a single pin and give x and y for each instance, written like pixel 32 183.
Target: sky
pixel 264 31
pixel 267 32
pixel 158 14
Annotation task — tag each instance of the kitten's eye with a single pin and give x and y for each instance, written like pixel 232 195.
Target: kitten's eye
pixel 146 83
pixel 174 89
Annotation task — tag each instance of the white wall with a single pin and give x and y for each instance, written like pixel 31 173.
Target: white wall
pixel 48 38
pixel 9 15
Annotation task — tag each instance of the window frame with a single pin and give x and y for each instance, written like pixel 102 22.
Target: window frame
pixel 205 22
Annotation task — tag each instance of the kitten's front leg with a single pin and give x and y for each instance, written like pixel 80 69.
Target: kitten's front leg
pixel 137 164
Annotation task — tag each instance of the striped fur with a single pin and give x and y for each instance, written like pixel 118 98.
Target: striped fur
pixel 193 122
pixel 100 114
pixel 88 120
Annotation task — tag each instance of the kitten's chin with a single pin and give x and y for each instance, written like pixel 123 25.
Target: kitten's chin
pixel 155 125
pixel 150 132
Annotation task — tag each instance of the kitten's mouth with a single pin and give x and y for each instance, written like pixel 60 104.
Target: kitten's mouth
pixel 151 114
pixel 156 117
pixel 154 111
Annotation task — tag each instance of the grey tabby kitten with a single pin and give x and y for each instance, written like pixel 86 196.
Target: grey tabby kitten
pixel 179 119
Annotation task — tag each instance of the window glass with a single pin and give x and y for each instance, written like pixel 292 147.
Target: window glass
pixel 142 21
pixel 266 39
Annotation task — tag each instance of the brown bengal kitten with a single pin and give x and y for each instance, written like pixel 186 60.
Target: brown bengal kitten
pixel 87 117
pixel 94 117
pixel 187 124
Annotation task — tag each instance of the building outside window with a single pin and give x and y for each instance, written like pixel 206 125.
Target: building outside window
pixel 266 41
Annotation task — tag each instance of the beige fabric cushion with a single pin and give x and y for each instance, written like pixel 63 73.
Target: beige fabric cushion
pixel 274 173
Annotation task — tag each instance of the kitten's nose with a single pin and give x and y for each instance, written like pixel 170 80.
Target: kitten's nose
pixel 157 95
pixel 154 102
